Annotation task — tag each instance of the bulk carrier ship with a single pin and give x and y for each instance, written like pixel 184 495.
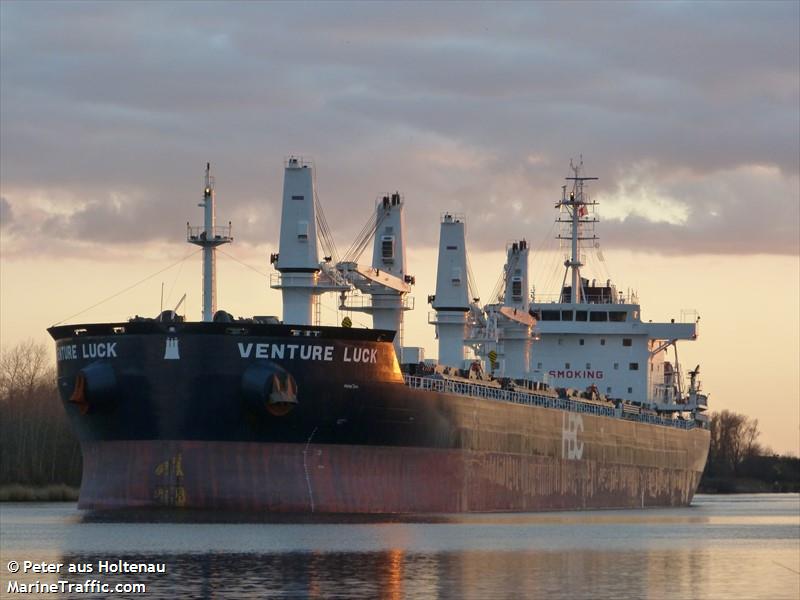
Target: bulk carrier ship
pixel 532 405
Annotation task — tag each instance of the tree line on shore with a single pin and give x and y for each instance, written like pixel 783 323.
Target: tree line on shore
pixel 38 448
pixel 737 462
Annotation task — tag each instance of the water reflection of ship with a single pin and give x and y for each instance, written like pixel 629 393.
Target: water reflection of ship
pixel 577 573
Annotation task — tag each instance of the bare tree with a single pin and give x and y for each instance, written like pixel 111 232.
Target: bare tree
pixel 37 446
pixel 734 438
pixel 22 369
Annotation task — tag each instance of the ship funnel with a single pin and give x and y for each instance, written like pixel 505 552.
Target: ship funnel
pixel 451 302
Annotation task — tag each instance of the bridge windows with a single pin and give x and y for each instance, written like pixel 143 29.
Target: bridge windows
pixel 595 316
pixel 633 366
pixel 581 342
pixel 627 342
pixel 602 341
pixel 616 366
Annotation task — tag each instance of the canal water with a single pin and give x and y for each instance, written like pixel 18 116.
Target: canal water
pixel 739 547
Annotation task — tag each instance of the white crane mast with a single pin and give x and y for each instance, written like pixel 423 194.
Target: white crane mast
pixel 386 281
pixel 302 278
pixel 451 301
pixel 503 338
pixel 514 322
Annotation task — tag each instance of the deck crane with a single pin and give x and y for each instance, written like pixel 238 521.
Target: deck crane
pixel 385 282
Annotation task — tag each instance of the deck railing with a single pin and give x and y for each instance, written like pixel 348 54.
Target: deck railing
pixel 199 233
pixel 475 390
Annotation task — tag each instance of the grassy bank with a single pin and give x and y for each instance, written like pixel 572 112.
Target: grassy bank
pixel 15 492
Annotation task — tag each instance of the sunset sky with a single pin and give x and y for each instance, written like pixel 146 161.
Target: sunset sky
pixel 687 112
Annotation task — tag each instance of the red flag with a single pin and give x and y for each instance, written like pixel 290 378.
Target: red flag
pixel 582 212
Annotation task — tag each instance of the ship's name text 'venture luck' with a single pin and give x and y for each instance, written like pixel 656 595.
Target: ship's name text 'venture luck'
pixel 306 352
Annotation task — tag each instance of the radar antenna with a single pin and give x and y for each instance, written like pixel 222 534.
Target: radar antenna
pixel 575 214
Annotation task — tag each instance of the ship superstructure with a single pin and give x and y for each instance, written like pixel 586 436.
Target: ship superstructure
pixel 593 336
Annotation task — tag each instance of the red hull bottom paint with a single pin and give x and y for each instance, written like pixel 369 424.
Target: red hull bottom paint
pixel 319 478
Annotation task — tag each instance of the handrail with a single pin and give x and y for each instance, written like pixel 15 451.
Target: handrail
pixel 361 301
pixel 493 393
pixel 551 299
pixel 216 232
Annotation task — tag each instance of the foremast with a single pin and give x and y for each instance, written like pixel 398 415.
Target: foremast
pixel 208 237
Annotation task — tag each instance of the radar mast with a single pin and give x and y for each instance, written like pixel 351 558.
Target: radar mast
pixel 575 216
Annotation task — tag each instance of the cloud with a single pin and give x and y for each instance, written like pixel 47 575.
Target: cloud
pixel 110 110
pixel 6 214
pixel 748 210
